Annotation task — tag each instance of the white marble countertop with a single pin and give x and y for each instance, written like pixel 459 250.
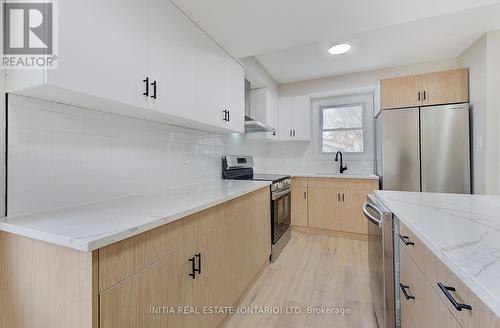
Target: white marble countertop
pixel 336 176
pixel 92 226
pixel 462 230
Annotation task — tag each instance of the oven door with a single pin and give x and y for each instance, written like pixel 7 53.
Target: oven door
pixel 280 213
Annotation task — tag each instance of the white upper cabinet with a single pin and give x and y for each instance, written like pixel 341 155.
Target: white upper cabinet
pixel 264 108
pixel 172 60
pixel 295 118
pixel 103 65
pixel 302 118
pixel 211 81
pixel 234 95
pixel 221 86
pixel 105 57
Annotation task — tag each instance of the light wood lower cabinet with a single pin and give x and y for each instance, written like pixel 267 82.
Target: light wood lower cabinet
pixel 142 281
pixel 352 217
pixel 299 206
pixel 163 285
pixel 299 202
pixel 420 305
pixel 325 208
pixel 228 246
pixel 331 204
pixel 416 257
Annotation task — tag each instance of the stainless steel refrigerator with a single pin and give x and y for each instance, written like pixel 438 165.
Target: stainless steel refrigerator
pixel 424 149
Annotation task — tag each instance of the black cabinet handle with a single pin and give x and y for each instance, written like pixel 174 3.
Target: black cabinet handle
pixel 343 197
pixel 146 81
pixel 425 96
pixel 446 290
pixel 154 89
pixel 406 240
pixel 305 195
pixel 403 289
pixel 198 269
pixel 193 268
pixel 418 96
pixel 228 115
pixel 225 115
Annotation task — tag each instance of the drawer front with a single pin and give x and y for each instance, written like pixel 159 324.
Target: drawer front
pixel 420 306
pixel 299 182
pixel 120 260
pixel 411 244
pixel 343 183
pixel 479 316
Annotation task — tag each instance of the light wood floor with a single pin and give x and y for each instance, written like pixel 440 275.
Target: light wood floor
pixel 314 270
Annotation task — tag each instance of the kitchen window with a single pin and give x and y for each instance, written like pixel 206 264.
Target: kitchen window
pixel 342 128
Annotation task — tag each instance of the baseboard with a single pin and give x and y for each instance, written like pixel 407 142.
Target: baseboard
pixel 341 234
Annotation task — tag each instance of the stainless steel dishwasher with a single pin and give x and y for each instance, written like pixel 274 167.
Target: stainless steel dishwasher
pixel 383 261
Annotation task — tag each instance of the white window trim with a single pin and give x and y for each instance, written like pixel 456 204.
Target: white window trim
pixel 316 142
pixel 363 126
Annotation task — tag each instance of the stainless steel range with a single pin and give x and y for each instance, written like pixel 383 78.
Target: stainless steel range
pixel 241 168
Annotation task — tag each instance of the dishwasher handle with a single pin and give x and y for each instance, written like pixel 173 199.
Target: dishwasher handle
pixel 371 218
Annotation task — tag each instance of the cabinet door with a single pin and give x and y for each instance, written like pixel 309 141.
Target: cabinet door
pixel 302 118
pixel 352 217
pixel 214 286
pixel 299 206
pixel 107 56
pixel 172 59
pixel 273 115
pixel 324 208
pixel 446 87
pixel 400 92
pixel 425 299
pixel 252 244
pixel 285 118
pixel 130 303
pixel 235 94
pixel 211 81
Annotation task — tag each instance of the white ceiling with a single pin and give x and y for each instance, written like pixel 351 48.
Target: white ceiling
pixel 266 27
pixel 423 40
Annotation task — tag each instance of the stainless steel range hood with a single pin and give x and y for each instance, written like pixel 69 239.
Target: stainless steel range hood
pixel 252 125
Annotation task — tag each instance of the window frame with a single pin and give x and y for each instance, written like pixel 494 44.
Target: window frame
pixel 363 126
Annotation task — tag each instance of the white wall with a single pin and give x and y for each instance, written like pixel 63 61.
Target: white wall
pixel 306 157
pixel 475 59
pixel 257 74
pixel 61 155
pixel 355 81
pixel 493 105
pixel 483 60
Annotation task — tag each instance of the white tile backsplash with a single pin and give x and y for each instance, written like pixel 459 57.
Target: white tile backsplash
pixel 61 155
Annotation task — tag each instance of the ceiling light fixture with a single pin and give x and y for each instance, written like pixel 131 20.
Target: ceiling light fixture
pixel 339 49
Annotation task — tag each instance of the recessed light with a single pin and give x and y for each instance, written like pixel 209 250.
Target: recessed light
pixel 339 49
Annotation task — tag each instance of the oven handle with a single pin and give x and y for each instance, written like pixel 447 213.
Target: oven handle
pixel 370 217
pixel 276 195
